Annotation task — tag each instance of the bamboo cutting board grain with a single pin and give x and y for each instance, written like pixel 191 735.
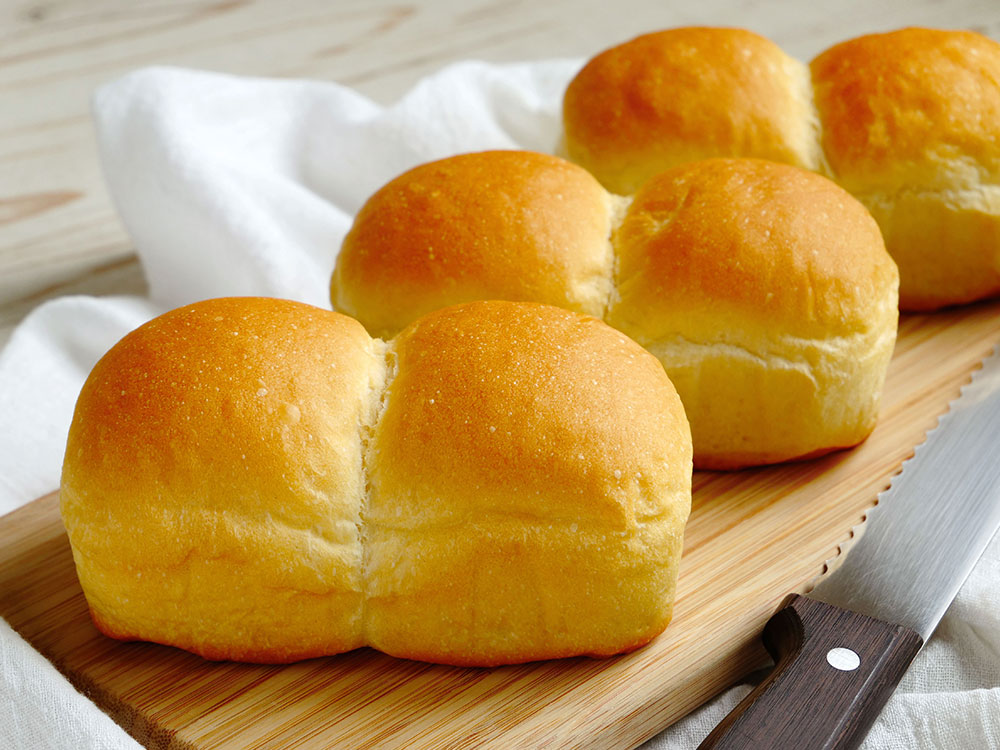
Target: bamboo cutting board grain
pixel 754 536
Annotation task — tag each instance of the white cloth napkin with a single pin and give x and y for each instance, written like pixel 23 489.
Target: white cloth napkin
pixel 242 186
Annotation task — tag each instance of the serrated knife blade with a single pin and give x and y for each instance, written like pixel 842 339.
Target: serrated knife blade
pixel 840 651
pixel 928 530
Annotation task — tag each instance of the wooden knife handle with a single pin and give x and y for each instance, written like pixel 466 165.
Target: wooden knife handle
pixel 813 698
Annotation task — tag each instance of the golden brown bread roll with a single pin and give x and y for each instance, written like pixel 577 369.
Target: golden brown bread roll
pixel 530 227
pixel 908 122
pixel 911 126
pixel 213 480
pixel 548 439
pixel 686 94
pixel 259 480
pixel 765 291
pixel 767 294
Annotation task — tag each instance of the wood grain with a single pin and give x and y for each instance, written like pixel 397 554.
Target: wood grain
pixel 58 229
pixel 754 536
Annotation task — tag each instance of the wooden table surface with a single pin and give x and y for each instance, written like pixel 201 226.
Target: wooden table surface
pixel 59 233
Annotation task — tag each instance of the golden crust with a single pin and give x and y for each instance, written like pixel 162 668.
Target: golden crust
pixel 911 125
pixel 549 438
pixel 686 94
pixel 908 121
pixel 514 225
pixel 218 470
pixel 761 281
pixel 213 480
pixel 910 108
pixel 760 245
pixel 765 290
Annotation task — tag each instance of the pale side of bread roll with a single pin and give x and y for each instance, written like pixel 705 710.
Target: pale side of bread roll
pixel 765 290
pixel 907 121
pixel 686 94
pixel 259 480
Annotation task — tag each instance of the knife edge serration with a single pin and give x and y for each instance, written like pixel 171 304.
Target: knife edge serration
pixel 832 585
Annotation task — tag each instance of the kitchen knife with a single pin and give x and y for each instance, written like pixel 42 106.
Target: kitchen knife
pixel 840 651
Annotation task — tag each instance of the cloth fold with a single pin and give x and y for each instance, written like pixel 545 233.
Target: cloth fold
pixel 237 186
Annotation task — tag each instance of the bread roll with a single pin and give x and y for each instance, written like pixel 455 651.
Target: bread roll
pixel 510 225
pixel 911 126
pixel 214 480
pixel 259 480
pixel 765 291
pixel 530 481
pixel 767 294
pixel 908 122
pixel 686 94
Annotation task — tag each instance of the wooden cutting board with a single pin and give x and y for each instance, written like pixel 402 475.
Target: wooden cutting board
pixel 754 536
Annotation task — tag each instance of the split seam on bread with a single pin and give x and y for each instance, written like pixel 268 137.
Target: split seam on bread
pixel 618 206
pixel 384 372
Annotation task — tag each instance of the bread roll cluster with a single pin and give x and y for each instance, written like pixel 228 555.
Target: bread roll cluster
pixel 907 121
pixel 260 480
pixel 493 482
pixel 764 290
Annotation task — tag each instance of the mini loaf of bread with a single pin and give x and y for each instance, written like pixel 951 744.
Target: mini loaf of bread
pixel 530 227
pixel 911 126
pixel 260 480
pixel 687 94
pixel 765 290
pixel 907 121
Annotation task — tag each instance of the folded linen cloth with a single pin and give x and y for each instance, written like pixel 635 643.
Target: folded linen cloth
pixel 235 186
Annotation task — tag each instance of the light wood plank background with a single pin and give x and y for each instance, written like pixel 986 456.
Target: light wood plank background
pixel 58 230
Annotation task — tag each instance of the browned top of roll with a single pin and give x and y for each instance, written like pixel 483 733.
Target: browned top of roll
pixel 514 225
pixel 914 107
pixel 526 409
pixel 684 94
pixel 233 420
pixel 746 244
